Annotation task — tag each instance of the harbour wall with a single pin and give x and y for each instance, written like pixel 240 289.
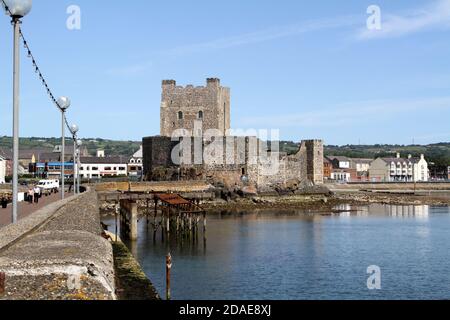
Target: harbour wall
pixel 58 253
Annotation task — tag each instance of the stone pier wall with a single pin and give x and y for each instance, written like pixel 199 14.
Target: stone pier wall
pixel 58 253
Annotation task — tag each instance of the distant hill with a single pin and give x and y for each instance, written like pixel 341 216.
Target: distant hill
pixel 437 153
pixel 111 147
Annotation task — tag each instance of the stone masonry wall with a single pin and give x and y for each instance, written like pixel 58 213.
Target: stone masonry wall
pixel 213 101
pixel 315 155
pixel 230 167
pixel 58 253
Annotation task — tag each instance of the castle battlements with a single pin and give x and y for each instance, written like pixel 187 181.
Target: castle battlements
pixel 184 107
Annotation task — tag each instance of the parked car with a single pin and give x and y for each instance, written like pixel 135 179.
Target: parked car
pixel 48 186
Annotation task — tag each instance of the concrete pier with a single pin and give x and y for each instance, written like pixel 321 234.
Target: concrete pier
pixel 129 219
pixel 58 253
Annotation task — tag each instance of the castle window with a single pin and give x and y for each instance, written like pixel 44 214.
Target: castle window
pixel 200 115
pixel 180 115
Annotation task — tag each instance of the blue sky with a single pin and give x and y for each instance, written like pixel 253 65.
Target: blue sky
pixel 310 69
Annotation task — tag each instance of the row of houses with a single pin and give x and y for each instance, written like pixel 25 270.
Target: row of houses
pixel 398 169
pixel 47 163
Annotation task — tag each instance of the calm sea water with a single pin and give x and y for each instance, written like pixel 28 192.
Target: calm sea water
pixel 293 255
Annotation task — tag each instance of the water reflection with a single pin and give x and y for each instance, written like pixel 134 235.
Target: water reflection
pixel 399 211
pixel 404 211
pixel 300 255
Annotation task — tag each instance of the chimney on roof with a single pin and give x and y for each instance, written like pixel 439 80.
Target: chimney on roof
pixel 100 153
pixel 398 155
pixel 409 156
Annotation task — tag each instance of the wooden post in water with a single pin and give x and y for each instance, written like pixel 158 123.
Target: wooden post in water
pixel 163 226
pixel 156 212
pixel 168 269
pixel 204 231
pixel 147 213
pixel 133 214
pixel 117 220
pixel 168 222
pixel 204 222
pixel 2 283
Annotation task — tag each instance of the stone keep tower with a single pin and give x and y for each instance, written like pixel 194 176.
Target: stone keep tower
pixel 182 107
pixel 314 161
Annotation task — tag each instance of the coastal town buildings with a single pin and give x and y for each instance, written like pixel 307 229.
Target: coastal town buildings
pixel 340 162
pixel 327 168
pixel 399 169
pixel 342 170
pixel 135 167
pixel 7 156
pixel 68 151
pixel 362 167
pixel 51 170
pixel 100 167
pixel 32 155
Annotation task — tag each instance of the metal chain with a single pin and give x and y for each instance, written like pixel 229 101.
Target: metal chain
pixel 36 67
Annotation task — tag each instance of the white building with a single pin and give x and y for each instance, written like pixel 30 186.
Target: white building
pixel 399 169
pixel 2 169
pixel 99 167
pixel 420 169
pixel 135 166
pixel 341 176
pixel 361 165
pixel 340 162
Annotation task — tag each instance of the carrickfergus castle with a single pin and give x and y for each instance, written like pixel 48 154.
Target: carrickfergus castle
pixel 196 144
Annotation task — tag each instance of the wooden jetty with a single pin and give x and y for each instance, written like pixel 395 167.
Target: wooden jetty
pixel 170 213
pixel 172 207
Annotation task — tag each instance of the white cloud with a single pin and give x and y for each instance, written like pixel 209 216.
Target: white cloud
pixel 434 16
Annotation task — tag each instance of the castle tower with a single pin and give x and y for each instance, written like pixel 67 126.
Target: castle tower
pixel 184 107
pixel 314 161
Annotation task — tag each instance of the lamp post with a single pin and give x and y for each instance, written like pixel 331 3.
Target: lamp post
pixel 17 9
pixel 63 104
pixel 79 144
pixel 74 129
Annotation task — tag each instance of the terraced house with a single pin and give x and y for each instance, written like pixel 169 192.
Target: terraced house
pixel 399 169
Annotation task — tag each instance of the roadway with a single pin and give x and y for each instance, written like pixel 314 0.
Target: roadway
pixel 26 209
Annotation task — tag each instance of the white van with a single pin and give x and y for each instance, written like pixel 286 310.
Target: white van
pixel 48 186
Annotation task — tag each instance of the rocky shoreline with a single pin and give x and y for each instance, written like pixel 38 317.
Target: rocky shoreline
pixel 391 199
pixel 308 203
